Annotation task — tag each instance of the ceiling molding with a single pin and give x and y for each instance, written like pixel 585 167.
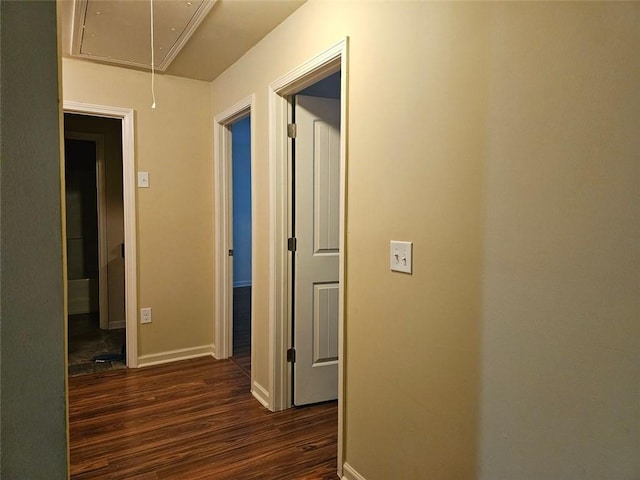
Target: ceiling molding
pixel 79 30
pixel 194 23
pixel 190 42
pixel 79 13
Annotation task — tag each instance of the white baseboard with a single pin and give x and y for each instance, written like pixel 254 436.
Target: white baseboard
pixel 242 283
pixel 175 355
pixel 349 473
pixel 118 324
pixel 261 394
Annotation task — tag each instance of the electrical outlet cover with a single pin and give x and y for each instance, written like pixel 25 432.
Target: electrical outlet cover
pixel 143 179
pixel 145 315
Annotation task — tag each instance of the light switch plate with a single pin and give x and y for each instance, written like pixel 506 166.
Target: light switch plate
pixel 401 256
pixel 143 179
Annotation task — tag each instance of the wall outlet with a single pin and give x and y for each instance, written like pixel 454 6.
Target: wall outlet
pixel 143 179
pixel 145 315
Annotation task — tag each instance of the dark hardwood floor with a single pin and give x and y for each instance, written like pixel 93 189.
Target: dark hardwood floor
pixel 193 420
pixel 242 328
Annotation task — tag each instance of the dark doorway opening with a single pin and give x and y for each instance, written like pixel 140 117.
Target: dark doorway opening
pixel 95 237
pixel 242 261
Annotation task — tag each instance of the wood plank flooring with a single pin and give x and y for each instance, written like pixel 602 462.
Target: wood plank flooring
pixel 193 420
pixel 242 328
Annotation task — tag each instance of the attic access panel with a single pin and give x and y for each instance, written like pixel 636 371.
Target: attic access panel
pixel 119 31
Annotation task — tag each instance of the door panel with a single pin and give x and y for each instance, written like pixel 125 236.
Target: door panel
pixel 325 323
pixel 317 229
pixel 326 187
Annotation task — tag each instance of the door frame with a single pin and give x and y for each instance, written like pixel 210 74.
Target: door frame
pixel 126 116
pixel 223 201
pixel 103 291
pixel 329 61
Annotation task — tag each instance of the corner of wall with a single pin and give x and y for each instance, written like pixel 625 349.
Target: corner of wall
pixel 350 473
pixel 261 394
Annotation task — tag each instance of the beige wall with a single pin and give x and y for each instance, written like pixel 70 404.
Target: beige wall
pixel 174 216
pixel 561 344
pixel 502 141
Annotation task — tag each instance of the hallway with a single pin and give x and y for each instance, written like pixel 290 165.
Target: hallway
pixel 189 420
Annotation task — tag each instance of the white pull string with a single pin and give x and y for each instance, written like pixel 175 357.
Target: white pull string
pixel 153 65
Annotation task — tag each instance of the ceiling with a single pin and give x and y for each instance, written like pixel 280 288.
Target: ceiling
pixel 196 39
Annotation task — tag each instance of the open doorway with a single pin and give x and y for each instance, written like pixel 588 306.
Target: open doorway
pixel 282 94
pixel 95 240
pixel 241 241
pixel 234 243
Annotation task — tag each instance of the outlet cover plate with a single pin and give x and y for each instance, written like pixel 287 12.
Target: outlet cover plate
pixel 145 315
pixel 143 179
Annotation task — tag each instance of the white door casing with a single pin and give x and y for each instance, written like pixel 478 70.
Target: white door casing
pixel 129 201
pixel 317 232
pixel 223 266
pixel 323 64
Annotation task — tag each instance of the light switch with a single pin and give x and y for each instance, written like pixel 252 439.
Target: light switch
pixel 401 257
pixel 143 179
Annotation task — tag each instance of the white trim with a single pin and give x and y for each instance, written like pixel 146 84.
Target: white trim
pixel 260 393
pixel 223 223
pixel 222 270
pixel 279 315
pixel 350 473
pixel 175 355
pixel 101 197
pixel 235 112
pixel 79 8
pixel 344 136
pixel 223 273
pixel 203 9
pixel 129 196
pixel 77 30
pixel 310 72
pixel 330 61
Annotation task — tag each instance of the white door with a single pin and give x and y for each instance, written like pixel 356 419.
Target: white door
pixel 317 231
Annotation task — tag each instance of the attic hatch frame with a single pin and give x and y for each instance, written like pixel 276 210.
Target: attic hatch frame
pixel 126 116
pixel 80 8
pixel 329 61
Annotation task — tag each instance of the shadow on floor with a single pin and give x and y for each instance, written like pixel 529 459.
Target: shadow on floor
pixel 242 328
pixel 87 340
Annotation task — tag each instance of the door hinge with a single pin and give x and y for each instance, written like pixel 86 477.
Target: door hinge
pixel 291 355
pixel 292 130
pixel 122 250
pixel 231 252
pixel 292 244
